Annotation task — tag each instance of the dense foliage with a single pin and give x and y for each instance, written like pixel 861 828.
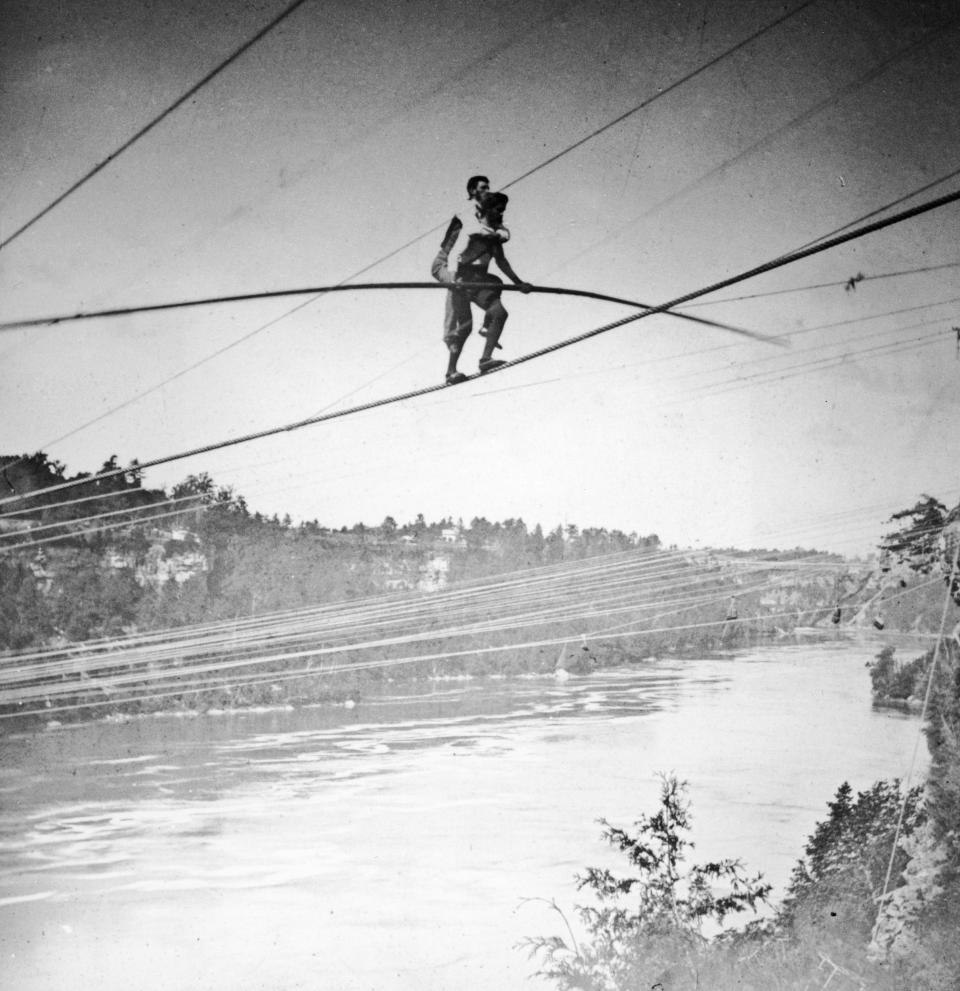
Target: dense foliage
pixel 645 929
pixel 895 682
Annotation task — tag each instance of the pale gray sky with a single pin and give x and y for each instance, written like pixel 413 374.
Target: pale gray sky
pixel 352 127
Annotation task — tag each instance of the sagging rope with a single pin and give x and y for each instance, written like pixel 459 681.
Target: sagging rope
pixel 568 342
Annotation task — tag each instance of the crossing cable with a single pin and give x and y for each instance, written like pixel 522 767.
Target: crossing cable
pixel 569 148
pixel 52 683
pixel 661 93
pixel 821 363
pixel 129 512
pixel 286 12
pixel 31 544
pixel 597 578
pixel 887 206
pixel 116 670
pixel 313 293
pixel 530 356
pixel 830 285
pixel 220 665
pixel 470 604
pixel 353 617
pixel 63 503
pixel 826 361
pixel 795 122
pixel 184 656
pixel 226 681
pixel 589 137
pixel 30 686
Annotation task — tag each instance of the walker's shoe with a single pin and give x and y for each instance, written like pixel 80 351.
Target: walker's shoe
pixel 455 378
pixel 488 364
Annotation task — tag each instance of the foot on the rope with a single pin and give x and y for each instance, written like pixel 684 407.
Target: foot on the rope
pixel 488 364
pixel 455 378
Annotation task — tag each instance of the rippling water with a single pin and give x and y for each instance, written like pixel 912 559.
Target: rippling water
pixel 393 845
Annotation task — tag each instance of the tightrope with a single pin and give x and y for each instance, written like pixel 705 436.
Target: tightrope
pixel 549 349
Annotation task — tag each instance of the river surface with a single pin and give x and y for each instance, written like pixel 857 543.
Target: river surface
pixel 403 844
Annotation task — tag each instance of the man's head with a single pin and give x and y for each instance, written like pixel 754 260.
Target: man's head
pixel 477 185
pixel 492 205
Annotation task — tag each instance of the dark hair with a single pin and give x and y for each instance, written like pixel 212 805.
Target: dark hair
pixel 491 201
pixel 473 182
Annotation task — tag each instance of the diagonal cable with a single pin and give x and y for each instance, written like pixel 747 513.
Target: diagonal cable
pixel 103 163
pixel 530 356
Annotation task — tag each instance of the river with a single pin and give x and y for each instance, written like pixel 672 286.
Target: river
pixel 403 843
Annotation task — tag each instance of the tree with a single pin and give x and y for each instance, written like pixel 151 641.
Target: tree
pixel 388 528
pixel 24 616
pixel 836 887
pixel 915 543
pixel 647 928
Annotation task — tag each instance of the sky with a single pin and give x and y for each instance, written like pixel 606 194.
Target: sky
pixel 349 130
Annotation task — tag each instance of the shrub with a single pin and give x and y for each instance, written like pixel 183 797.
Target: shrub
pixel 646 928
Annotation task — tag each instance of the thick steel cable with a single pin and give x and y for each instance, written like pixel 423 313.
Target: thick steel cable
pixel 103 163
pixel 568 342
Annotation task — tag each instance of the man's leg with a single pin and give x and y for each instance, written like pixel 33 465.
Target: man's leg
pixel 453 376
pixel 457 324
pixel 495 319
pixel 457 319
pixel 485 299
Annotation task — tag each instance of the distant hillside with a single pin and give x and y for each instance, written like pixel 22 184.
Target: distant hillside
pixel 104 556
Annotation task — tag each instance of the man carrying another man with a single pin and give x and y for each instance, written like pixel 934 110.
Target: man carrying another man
pixel 485 238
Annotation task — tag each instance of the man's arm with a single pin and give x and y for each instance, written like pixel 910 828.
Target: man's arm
pixel 501 259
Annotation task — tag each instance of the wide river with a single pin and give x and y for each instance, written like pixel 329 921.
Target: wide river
pixel 406 843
